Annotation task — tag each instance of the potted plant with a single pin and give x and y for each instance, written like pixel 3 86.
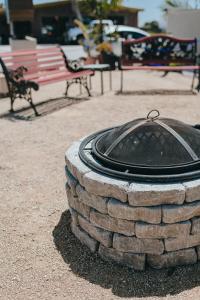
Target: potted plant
pixel 106 54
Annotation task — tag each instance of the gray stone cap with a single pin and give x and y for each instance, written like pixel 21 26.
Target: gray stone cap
pixel 137 194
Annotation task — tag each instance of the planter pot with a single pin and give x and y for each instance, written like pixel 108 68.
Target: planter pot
pixel 117 48
pixel 110 59
pixel 91 60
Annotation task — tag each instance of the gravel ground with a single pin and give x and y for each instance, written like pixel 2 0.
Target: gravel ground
pixel 39 256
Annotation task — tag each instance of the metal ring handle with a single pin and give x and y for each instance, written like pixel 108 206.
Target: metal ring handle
pixel 153 115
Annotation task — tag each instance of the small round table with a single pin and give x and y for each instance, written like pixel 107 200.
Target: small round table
pixel 99 68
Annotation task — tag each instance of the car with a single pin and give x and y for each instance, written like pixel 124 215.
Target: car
pixel 106 23
pixel 126 32
pixel 75 34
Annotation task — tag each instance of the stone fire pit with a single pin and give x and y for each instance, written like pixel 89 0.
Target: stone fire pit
pixel 133 223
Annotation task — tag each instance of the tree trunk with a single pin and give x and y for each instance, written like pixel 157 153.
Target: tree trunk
pixel 76 10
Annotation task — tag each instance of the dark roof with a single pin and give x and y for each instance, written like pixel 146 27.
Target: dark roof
pixel 63 2
pixel 121 8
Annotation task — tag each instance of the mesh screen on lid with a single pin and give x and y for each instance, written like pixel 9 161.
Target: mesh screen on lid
pixel 112 135
pixel 148 145
pixel 190 134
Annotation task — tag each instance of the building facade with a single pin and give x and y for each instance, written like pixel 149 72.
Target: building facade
pixel 51 20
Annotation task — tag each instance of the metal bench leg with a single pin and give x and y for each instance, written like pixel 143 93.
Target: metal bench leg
pixel 67 88
pixel 34 108
pixel 193 79
pixel 30 100
pixel 27 97
pixel 88 91
pixel 80 88
pixel 198 85
pixel 110 75
pixel 122 79
pixel 90 82
pixel 165 74
pixel 102 87
pixel 84 82
pixel 12 99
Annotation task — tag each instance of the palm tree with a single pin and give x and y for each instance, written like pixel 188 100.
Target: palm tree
pixel 180 4
pixel 75 8
pixel 99 9
pixel 177 3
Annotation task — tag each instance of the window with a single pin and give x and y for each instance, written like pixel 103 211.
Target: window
pixel 130 35
pixel 22 28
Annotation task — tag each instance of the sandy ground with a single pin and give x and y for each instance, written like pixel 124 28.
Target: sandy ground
pixel 39 257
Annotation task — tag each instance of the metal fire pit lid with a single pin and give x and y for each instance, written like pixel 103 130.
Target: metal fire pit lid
pixel 149 149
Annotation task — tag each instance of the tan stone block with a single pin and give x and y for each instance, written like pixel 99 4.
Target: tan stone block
pixel 101 235
pixel 155 194
pixel 178 213
pixel 183 242
pixel 135 261
pixel 195 226
pixel 112 224
pixel 124 211
pixel 105 186
pixel 144 230
pixel 71 180
pixel 74 216
pixel 84 238
pixel 172 259
pixel 192 190
pixel 198 252
pixel 97 202
pixel 74 163
pixel 73 202
pixel 136 245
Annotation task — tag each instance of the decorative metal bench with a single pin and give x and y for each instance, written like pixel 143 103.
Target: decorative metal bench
pixel 160 53
pixel 27 70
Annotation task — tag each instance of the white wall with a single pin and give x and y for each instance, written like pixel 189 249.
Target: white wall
pixel 184 23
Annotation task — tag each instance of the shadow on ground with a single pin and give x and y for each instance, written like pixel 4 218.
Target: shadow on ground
pixel 151 92
pixel 44 108
pixel 123 281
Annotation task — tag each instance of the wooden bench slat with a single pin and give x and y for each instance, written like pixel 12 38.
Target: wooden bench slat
pixel 23 59
pixel 32 76
pixel 64 74
pixel 44 77
pixel 30 64
pixel 37 76
pixel 30 52
pixel 35 68
pixel 162 68
pixel 47 80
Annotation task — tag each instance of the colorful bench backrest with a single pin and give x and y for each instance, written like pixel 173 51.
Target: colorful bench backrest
pixel 159 50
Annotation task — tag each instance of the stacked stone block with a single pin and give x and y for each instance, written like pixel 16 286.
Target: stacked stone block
pixel 133 224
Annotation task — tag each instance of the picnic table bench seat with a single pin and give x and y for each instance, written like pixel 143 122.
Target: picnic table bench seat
pixel 160 53
pixel 28 70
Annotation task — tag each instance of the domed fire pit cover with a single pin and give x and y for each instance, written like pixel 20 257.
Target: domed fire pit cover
pixel 148 149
